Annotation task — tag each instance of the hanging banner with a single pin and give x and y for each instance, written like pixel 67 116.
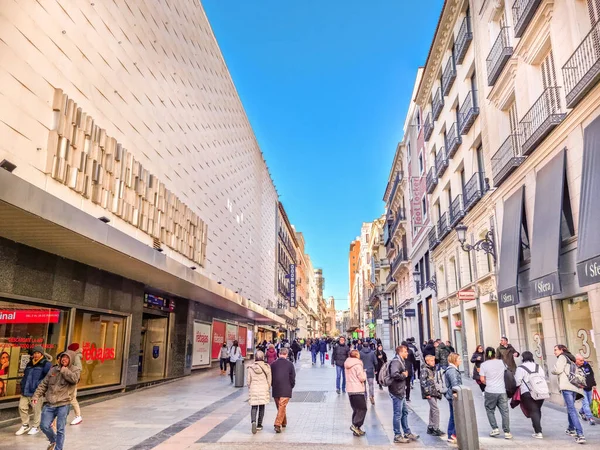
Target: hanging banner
pixel 201 355
pixel 231 335
pixel 218 337
pixel 242 339
pixel 293 286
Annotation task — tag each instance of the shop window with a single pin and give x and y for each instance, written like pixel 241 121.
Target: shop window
pixel 100 338
pixel 22 327
pixel 578 327
pixel 535 335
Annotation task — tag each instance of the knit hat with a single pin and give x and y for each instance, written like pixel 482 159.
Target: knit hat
pixel 73 347
pixel 38 348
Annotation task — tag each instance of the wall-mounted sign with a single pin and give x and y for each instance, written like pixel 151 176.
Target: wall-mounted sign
pixel 242 339
pixel 293 285
pixel 410 312
pixel 466 295
pixel 155 302
pixel 546 286
pixel 231 334
pixel 218 337
pixel 29 316
pixel 202 347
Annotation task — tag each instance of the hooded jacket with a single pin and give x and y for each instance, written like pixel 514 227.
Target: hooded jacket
pixel 561 368
pixel 441 354
pixel 59 386
pixel 33 375
pixel 259 383
pixel 428 386
pixel 397 369
pixel 340 354
pixel 271 355
pixel 452 378
pixel 355 376
pixel 590 380
pixel 323 346
pixel 367 356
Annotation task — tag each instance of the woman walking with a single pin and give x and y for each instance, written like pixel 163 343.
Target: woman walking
pixel 224 358
pixel 530 377
pixel 235 354
pixel 259 389
pixel 452 379
pixel 477 358
pixel 271 354
pixel 355 386
pixel 381 360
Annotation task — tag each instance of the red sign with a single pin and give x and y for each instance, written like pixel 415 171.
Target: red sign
pixel 218 331
pixel 466 295
pixel 29 316
pixel 242 336
pixel 91 353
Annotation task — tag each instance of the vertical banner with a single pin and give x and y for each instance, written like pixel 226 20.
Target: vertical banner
pixel 242 339
pixel 202 347
pixel 293 285
pixel 231 334
pixel 218 334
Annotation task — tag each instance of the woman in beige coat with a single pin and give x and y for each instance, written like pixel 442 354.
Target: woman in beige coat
pixel 259 392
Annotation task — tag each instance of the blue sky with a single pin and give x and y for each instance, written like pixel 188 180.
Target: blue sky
pixel 326 85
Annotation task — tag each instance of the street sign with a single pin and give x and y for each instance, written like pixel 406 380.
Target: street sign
pixel 466 295
pixel 411 312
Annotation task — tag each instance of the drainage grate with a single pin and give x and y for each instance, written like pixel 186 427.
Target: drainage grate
pixel 308 397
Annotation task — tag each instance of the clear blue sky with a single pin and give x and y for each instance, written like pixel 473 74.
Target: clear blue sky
pixel 326 85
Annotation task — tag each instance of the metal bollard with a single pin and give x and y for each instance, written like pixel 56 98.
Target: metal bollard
pixel 465 418
pixel 239 373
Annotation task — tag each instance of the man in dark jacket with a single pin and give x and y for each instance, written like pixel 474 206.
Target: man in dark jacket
pixel 411 363
pixel 586 412
pixel 283 381
pixel 338 358
pixel 367 356
pixel 397 391
pixel 296 349
pixel 314 349
pixel 429 349
pixel 36 370
pixel 507 353
pixel 441 353
pixel 322 349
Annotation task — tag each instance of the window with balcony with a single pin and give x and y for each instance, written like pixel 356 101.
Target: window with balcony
pixel 523 12
pixel 500 51
pixel 469 110
pixel 508 157
pixel 463 38
pixel 449 74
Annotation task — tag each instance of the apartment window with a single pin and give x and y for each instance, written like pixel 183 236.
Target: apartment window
pixel 418 120
pixel 421 167
pixel 474 88
pixel 513 119
pixel 480 163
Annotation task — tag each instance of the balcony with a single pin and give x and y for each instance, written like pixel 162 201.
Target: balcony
pixel 463 40
pixel 468 112
pixel 437 104
pixel 400 217
pixel 390 283
pixel 457 211
pixel 582 71
pixel 401 258
pixel 523 12
pixel 441 162
pixel 443 227
pixel 397 181
pixel 453 140
pixel 384 262
pixel 499 55
pixel 474 190
pixel 545 114
pixel 433 239
pixel 387 236
pixel 506 159
pixel 431 181
pixel 448 76
pixel 428 128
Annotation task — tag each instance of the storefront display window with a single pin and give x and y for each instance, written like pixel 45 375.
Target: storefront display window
pixel 100 338
pixel 535 335
pixel 23 327
pixel 578 327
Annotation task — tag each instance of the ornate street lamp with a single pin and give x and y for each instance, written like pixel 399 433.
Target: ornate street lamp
pixel 485 245
pixel 431 283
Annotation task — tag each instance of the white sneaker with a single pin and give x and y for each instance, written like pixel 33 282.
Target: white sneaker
pixel 77 420
pixel 495 432
pixel 33 430
pixel 24 429
pixel 538 435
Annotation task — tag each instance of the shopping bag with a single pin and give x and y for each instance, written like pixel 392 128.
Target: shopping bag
pixel 595 406
pixel 516 399
pixel 327 356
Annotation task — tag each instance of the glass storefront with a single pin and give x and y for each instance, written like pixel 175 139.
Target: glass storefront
pixel 578 327
pixel 532 320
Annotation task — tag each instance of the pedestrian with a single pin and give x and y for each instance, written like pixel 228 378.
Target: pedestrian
pixel 531 380
pixel 296 349
pixel 235 354
pixel 224 358
pixel 570 392
pixel 381 360
pixel 507 353
pixel 359 345
pixel 429 348
pixel 397 391
pixel 430 393
pixel 57 389
pixel 356 377
pixel 477 358
pixel 74 347
pixel 259 390
pixel 338 358
pixel 449 347
pixel 36 370
pixel 369 360
pixel 441 353
pixel 271 355
pixel 452 378
pixel 590 381
pixel 322 350
pixel 492 375
pixel 418 360
pixel 314 349
pixel 284 380
pixel 410 366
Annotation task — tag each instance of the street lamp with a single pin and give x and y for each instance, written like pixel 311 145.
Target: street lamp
pixel 431 283
pixel 486 244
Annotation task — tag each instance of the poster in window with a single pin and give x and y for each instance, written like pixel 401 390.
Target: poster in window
pixel 242 336
pixel 201 355
pixel 218 337
pixel 231 334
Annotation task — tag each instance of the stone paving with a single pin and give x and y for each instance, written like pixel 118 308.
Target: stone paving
pixel 205 412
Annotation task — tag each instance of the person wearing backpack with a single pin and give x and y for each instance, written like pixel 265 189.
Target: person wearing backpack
pixel 585 412
pixel 571 382
pixel 381 360
pixel 429 392
pixel 492 373
pixel 396 377
pixel 452 378
pixel 531 380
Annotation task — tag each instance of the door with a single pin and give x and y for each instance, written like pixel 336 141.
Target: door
pixel 421 324
pixel 458 346
pixel 155 347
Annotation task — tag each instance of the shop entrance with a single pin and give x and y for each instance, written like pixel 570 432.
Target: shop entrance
pixel 153 347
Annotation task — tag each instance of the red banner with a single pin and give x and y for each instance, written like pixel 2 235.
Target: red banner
pixel 29 316
pixel 242 336
pixel 218 332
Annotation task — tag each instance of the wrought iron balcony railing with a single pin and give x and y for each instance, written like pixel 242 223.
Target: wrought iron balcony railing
pixel 499 55
pixel 441 162
pixel 523 12
pixel 463 40
pixel 443 226
pixel 468 112
pixel 433 239
pixel 428 128
pixel 401 257
pixel 474 190
pixel 457 211
pixel 545 114
pixel 400 217
pixel 448 76
pixel 506 159
pixel 437 104
pixel 453 140
pixel 397 180
pixel 431 181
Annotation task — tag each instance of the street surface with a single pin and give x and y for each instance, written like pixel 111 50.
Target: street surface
pixel 205 411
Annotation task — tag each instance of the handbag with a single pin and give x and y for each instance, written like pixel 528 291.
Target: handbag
pixel 327 356
pixel 516 399
pixel 595 406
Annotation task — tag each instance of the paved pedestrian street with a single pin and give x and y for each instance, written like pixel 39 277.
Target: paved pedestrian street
pixel 205 411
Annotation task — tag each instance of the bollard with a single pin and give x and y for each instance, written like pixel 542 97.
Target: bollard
pixel 465 418
pixel 239 373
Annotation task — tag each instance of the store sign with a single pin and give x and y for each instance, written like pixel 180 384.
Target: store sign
pixel 231 334
pixel 218 337
pixel 156 302
pixel 29 316
pixel 242 336
pixel 546 286
pixel 589 272
pixel 201 354
pixel 508 297
pixel 293 303
pixel 91 353
pixel 466 295
pixel 410 312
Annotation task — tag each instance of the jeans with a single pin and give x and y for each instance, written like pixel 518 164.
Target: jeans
pixel 371 385
pixel 298 355
pixel 322 358
pixel 223 363
pixel 585 405
pixel 24 404
pixel 434 413
pixel 314 357
pixel 359 409
pixel 451 425
pixel 534 408
pixel 574 423
pixel 260 409
pixel 339 371
pixel 501 401
pixel 400 416
pixel 49 413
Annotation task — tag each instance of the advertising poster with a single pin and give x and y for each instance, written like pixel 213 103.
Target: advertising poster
pixel 201 355
pixel 231 334
pixel 242 339
pixel 218 337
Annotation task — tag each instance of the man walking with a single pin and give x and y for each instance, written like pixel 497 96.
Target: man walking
pixel 491 373
pixel 314 349
pixel 58 389
pixel 397 391
pixel 284 380
pixel 36 370
pixel 507 353
pixel 430 392
pixel 586 412
pixel 338 358
pixel 322 349
pixel 367 356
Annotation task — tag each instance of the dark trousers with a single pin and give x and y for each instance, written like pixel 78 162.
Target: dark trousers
pixel 358 402
pixel 408 390
pixel 260 409
pixel 231 370
pixel 223 363
pixel 534 407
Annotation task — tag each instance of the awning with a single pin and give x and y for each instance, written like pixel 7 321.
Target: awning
pixel 588 246
pixel 510 248
pixel 547 217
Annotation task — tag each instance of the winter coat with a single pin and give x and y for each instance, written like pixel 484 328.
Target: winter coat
pixel 506 354
pixel 441 355
pixel 429 350
pixel 561 368
pixel 355 376
pixel 271 355
pixel 78 358
pixel 296 347
pixel 224 353
pixel 314 347
pixel 590 380
pixel 417 353
pixel 452 378
pixel 411 363
pixel 323 346
pixel 259 383
pixel 428 388
pixel 59 386
pixel 33 376
pixel 381 359
pixel 397 369
pixel 367 356
pixel 477 358
pixel 340 354
pixel 284 378
pixel 235 353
